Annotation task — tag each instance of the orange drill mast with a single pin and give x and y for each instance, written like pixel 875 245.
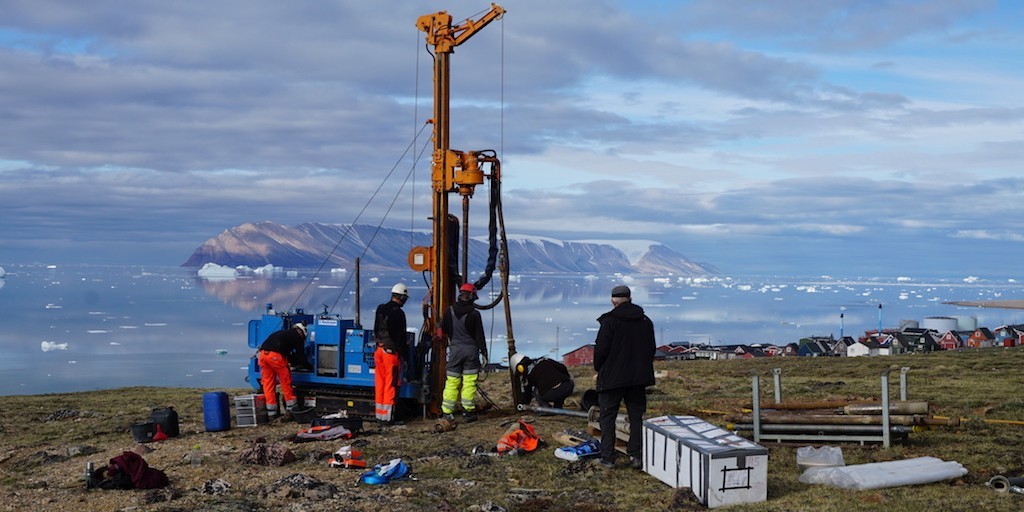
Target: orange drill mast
pixel 452 171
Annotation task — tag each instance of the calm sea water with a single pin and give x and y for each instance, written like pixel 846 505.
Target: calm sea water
pixel 75 328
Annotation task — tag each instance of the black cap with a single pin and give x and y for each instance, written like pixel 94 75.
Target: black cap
pixel 620 291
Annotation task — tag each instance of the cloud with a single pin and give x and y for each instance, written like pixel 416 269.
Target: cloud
pixel 793 133
pixel 842 26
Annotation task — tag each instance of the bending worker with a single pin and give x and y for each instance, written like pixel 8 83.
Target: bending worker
pixel 392 347
pixel 465 328
pixel 545 379
pixel 280 348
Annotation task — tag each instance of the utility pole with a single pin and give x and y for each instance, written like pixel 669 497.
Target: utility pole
pixel 558 329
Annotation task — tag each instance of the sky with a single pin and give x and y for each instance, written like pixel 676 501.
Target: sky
pixel 792 137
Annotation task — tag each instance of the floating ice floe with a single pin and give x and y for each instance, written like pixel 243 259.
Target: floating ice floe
pixel 97 331
pixel 266 269
pixel 3 273
pixel 50 346
pixel 54 306
pixel 292 273
pixel 971 279
pixel 338 270
pixel 215 270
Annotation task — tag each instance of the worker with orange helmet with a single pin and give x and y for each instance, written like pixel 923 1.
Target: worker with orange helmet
pixel 464 326
pixel 389 328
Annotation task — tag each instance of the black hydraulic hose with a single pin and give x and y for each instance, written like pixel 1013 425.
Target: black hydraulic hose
pixel 492 231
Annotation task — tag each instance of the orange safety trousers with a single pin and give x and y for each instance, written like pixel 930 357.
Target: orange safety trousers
pixel 386 381
pixel 273 369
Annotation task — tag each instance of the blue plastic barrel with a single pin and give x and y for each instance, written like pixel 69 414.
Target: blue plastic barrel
pixel 216 414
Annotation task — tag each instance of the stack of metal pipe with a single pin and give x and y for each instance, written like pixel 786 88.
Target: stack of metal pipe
pixel 841 417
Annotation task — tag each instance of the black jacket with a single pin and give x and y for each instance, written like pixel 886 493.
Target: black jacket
pixel 389 328
pixel 544 374
pixel 624 355
pixel 290 343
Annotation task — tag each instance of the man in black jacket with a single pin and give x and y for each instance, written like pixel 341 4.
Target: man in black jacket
pixel 624 360
pixel 545 379
pixel 389 328
pixel 280 349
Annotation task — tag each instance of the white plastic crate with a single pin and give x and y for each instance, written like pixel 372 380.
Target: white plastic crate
pixel 719 467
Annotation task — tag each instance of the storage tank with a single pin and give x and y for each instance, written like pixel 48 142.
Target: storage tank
pixel 941 324
pixel 966 323
pixel 909 324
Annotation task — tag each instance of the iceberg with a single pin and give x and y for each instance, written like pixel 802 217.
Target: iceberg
pixel 50 346
pixel 215 270
pixel 266 269
pixel 3 272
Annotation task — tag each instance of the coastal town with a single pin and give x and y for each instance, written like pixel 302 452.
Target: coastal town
pixel 912 337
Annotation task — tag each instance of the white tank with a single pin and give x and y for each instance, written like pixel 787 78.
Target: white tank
pixel 966 323
pixel 909 324
pixel 941 324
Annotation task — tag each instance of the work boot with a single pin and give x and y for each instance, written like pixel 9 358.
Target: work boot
pixel 448 416
pixel 469 417
pixel 606 464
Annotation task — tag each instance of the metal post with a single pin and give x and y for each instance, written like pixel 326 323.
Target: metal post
pixel 903 382
pixel 777 375
pixel 886 434
pixel 756 385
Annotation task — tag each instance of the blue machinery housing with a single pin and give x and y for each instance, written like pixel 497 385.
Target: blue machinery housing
pixel 340 356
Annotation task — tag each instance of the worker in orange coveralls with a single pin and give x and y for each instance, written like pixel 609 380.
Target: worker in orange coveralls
pixel 389 327
pixel 280 348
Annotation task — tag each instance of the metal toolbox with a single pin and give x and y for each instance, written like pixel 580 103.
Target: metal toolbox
pixel 250 411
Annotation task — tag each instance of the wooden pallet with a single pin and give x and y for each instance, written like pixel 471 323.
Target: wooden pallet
pixel 621 438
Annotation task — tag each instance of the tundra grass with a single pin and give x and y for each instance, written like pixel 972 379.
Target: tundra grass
pixel 37 431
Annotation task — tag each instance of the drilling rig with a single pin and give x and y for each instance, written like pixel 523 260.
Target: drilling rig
pixel 339 350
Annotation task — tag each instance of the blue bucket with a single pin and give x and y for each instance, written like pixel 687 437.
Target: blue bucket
pixel 216 414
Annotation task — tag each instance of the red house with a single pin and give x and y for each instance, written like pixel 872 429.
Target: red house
pixel 580 357
pixel 951 341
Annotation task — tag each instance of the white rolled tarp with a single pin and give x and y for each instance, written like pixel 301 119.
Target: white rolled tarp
pixel 878 475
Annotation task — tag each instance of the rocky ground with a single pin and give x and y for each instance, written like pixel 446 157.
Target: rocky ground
pixel 47 440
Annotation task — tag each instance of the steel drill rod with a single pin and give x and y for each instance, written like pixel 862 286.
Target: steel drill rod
pixel 911 407
pixel 798 405
pixel 551 410
pixel 835 419
pixel 841 429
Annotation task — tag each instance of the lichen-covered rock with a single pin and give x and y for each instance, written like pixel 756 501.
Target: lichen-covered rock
pixel 262 454
pixel 300 486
